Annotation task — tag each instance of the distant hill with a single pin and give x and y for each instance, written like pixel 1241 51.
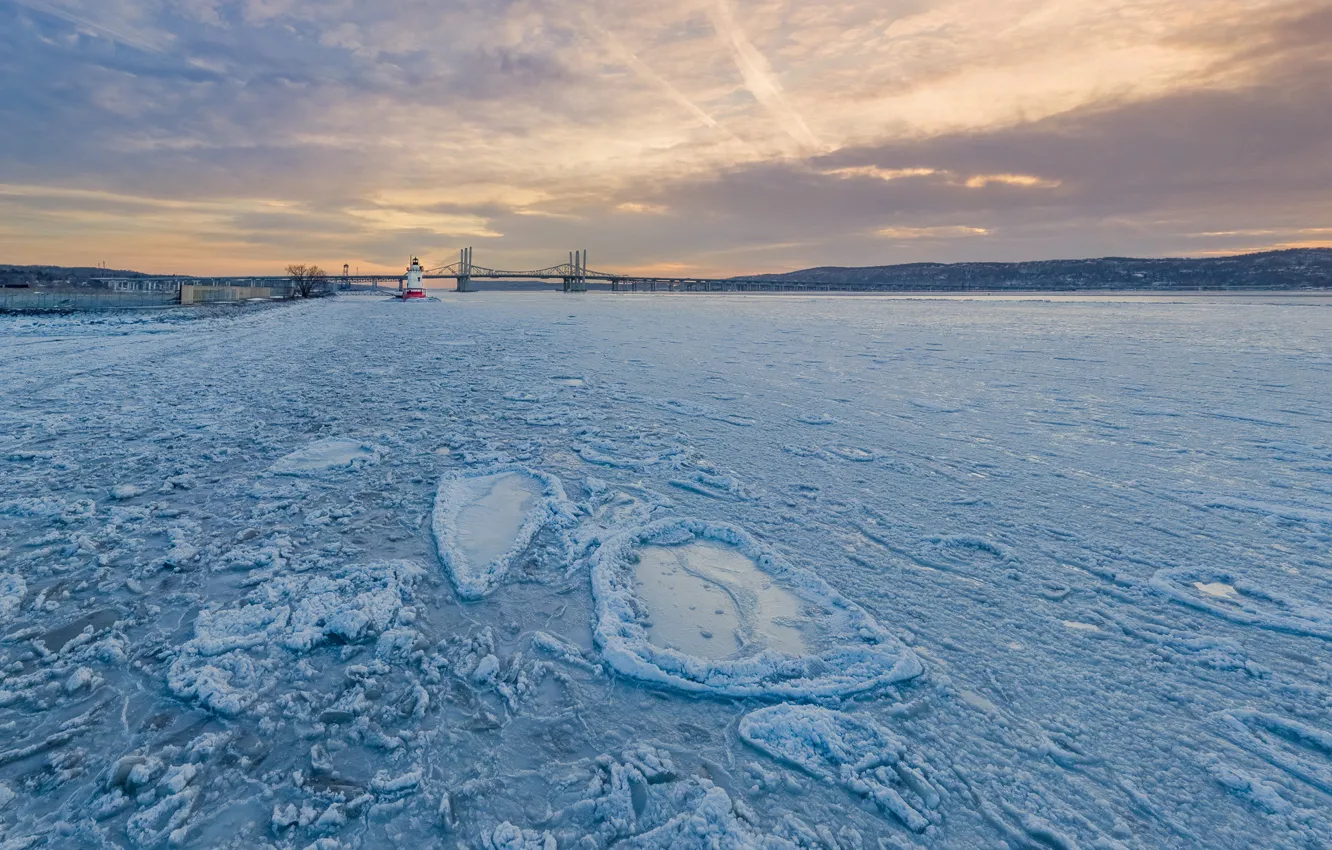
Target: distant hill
pixel 1301 268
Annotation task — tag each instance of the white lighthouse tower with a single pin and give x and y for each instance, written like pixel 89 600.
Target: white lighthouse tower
pixel 415 285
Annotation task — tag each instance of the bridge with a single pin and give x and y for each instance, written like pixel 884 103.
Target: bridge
pixel 572 276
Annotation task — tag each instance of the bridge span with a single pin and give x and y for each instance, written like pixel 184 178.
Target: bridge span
pixel 572 276
pixel 575 274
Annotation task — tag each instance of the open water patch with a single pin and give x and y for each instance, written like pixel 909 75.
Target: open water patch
pixel 92 624
pixel 782 632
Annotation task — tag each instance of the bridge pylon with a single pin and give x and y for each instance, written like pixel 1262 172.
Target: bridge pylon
pixel 465 270
pixel 576 281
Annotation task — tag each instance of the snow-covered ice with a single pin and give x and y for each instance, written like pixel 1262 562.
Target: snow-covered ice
pixel 326 455
pixel 236 653
pixel 1025 573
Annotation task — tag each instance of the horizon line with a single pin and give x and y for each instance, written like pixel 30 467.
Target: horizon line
pixel 675 272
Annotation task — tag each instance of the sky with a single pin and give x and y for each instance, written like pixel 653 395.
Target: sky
pixel 663 136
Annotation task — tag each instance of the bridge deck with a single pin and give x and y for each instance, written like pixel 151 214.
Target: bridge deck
pixel 618 282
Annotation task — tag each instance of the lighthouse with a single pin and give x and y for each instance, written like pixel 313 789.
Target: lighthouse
pixel 415 285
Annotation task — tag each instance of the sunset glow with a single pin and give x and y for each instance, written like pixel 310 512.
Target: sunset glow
pixel 711 136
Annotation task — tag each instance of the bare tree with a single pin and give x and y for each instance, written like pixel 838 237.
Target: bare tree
pixel 307 279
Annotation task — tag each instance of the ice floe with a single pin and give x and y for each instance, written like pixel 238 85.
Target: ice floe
pixel 1280 766
pixel 850 751
pixel 1301 750
pixel 328 455
pixel 782 632
pixel 73 659
pixel 486 518
pixel 606 454
pixel 506 836
pixel 715 486
pixel 122 492
pixel 855 454
pixel 817 419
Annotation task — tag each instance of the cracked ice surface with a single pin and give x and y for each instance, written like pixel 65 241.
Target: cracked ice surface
pixel 460 599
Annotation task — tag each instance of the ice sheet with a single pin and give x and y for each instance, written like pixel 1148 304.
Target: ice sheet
pixel 1101 527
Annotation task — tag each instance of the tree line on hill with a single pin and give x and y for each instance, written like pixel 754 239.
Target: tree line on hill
pixel 1293 269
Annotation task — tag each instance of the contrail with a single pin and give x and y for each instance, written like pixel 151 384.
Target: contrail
pixel 101 29
pixel 622 52
pixel 759 77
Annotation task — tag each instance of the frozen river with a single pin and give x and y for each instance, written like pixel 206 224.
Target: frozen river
pixel 531 570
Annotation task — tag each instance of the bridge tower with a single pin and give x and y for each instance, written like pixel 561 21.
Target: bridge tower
pixel 465 270
pixel 577 279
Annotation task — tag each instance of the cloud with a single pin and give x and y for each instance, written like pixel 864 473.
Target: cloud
pixel 1030 181
pixel 636 208
pixel 942 232
pixel 877 173
pixel 438 224
pixel 974 181
pixel 334 131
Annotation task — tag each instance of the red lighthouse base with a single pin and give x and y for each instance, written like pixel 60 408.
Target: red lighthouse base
pixel 413 293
